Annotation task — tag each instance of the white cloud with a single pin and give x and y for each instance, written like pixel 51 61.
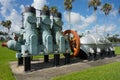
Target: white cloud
pixel 9 13
pixel 15 17
pixel 78 21
pixel 107 28
pixel 111 28
pixel 22 8
pixel 6 6
pixel 90 19
pixel 38 4
pixel 114 12
pixel 75 17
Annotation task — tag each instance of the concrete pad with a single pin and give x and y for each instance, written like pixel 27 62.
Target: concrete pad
pixel 46 71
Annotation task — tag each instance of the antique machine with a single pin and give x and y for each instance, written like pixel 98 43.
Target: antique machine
pixel 39 37
pixel 95 46
pixel 43 39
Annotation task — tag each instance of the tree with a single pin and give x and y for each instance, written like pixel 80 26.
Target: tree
pixel 68 4
pixel 2 23
pixel 114 38
pixel 53 10
pixel 6 24
pixel 45 8
pixel 68 7
pixel 94 4
pixel 106 8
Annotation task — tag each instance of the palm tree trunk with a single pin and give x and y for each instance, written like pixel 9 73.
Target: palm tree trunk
pixel 69 18
pixel 69 22
pixel 104 27
pixel 8 34
pixel 95 22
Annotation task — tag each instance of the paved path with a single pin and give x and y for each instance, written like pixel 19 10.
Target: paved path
pixel 46 71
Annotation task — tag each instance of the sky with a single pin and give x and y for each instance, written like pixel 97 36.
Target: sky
pixel 83 18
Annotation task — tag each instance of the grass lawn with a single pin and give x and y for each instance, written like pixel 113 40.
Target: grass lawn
pixel 105 72
pixel 117 50
pixel 6 55
pixel 99 73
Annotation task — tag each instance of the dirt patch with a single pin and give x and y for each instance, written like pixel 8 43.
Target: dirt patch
pixel 45 71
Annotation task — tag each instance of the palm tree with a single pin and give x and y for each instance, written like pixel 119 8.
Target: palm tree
pixel 68 4
pixel 53 10
pixel 6 24
pixel 68 7
pixel 94 4
pixel 45 8
pixel 106 8
pixel 2 23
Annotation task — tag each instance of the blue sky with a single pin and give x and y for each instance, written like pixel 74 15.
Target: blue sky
pixel 82 17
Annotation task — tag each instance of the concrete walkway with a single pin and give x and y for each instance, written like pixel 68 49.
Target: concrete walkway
pixel 46 71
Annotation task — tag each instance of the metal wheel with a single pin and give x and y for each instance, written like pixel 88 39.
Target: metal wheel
pixel 74 41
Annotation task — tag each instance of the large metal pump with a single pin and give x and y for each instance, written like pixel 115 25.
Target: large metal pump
pixel 45 31
pixel 43 36
pixel 60 43
pixel 40 39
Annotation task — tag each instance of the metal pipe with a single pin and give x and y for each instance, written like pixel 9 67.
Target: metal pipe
pixel 4 44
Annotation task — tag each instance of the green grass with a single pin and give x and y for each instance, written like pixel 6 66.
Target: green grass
pixel 117 50
pixel 7 55
pixel 105 72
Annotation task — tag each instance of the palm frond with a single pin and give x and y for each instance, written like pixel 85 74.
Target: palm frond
pixel 45 8
pixel 6 24
pixel 94 3
pixel 53 9
pixel 68 4
pixel 106 8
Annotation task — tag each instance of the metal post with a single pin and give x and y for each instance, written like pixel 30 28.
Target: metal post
pixel 20 61
pixel 56 59
pixel 90 57
pixel 46 58
pixel 27 64
pixel 67 58
pixel 113 53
